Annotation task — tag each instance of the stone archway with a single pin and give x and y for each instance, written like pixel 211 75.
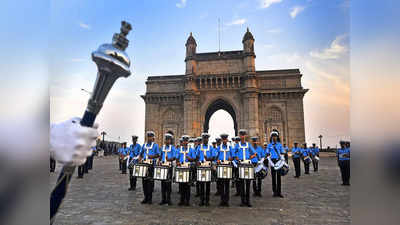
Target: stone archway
pixel 226 80
pixel 215 106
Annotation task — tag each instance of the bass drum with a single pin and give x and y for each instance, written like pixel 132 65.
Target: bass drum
pixel 284 170
pixel 261 170
pixel 307 160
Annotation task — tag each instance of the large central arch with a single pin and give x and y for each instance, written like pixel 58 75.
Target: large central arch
pixel 215 106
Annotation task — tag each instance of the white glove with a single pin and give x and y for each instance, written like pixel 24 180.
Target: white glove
pixel 282 157
pixel 70 143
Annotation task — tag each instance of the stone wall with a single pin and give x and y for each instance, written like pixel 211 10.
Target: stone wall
pixel 220 66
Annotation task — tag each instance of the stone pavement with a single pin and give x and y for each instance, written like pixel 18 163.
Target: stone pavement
pixel 102 197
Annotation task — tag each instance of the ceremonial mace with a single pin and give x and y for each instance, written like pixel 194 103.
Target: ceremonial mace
pixel 112 62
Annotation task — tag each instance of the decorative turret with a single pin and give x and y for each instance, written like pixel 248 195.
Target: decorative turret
pixel 248 42
pixel 190 46
pixel 248 50
pixel 190 53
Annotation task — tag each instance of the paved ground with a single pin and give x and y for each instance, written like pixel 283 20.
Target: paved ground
pixel 102 197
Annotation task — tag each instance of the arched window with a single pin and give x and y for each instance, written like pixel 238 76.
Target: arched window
pixel 275 114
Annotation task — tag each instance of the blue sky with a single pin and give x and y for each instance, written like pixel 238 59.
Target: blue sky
pixel 307 34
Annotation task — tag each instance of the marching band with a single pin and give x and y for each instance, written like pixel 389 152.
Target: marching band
pixel 194 162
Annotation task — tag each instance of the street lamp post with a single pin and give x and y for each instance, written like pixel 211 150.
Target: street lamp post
pixel 103 134
pixel 320 141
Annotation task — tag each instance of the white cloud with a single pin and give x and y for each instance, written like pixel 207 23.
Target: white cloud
pixel 296 10
pixel 267 3
pixel 237 22
pixel 334 51
pixel 181 4
pixel 84 26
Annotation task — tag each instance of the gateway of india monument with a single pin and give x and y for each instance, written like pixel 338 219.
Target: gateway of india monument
pixel 257 100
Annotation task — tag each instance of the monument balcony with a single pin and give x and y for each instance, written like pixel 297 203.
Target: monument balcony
pixel 219 81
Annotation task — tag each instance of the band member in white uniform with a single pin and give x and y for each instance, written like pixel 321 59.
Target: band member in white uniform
pixel 134 151
pixel 314 150
pixel 123 152
pixel 244 152
pixel 167 154
pixel 275 151
pixel 257 182
pixel 235 140
pixel 184 154
pixel 296 155
pixel 306 152
pixel 199 140
pixel 343 158
pixel 149 151
pixel 224 151
pixel 205 152
pixel 286 153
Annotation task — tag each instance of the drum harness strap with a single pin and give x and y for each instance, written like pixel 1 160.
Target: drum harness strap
pixel 244 149
pixel 184 153
pixel 166 152
pixel 224 150
pixel 148 148
pixel 204 150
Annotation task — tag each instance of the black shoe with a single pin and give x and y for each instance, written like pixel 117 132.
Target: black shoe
pixel 131 189
pixel 259 195
pixel 227 204
pixel 242 204
pixel 149 202
pixel 221 204
pixel 237 194
pixel 249 205
pixel 79 177
pixel 280 196
pixel 144 201
pixel 162 203
pixel 181 203
pixel 197 195
pixel 255 194
pixel 187 204
pixel 216 194
pixel 169 203
pixel 201 204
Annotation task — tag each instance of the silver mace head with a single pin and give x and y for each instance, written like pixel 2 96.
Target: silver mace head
pixel 112 62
